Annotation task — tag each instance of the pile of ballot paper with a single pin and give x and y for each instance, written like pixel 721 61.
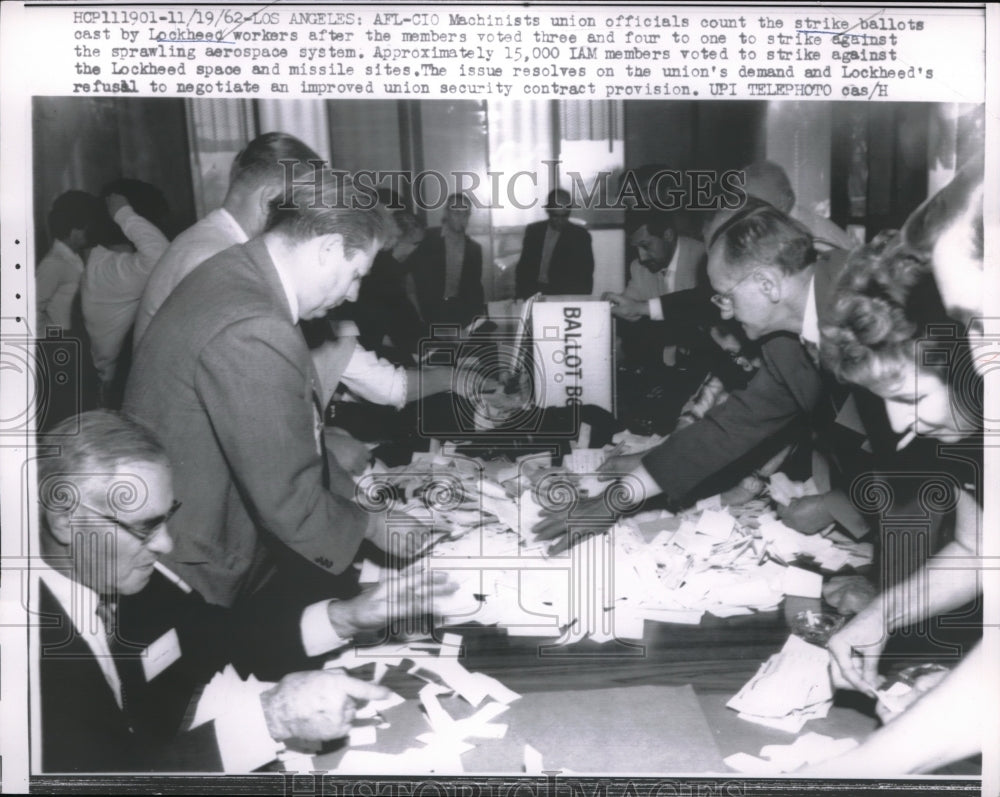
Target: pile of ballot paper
pixel 790 688
pixel 653 566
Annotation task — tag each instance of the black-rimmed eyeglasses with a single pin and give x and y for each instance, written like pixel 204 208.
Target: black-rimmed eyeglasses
pixel 144 531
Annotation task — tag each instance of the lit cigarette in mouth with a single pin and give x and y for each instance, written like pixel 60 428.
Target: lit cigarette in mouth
pixel 906 439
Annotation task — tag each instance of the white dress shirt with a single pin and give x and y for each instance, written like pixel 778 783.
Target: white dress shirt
pixel 207 237
pixel 810 320
pixel 57 279
pixel 112 286
pixel 644 285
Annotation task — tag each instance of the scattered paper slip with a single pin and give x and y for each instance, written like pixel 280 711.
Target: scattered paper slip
pixel 790 688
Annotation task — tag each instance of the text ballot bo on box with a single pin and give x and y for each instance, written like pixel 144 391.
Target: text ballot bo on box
pixel 573 350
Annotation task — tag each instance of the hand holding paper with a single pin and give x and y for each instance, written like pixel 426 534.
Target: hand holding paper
pixel 855 650
pixel 315 706
pixel 625 308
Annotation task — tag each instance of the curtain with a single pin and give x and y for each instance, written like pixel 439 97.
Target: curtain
pixel 217 131
pixel 304 119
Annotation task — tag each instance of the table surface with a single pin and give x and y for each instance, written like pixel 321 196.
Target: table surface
pixel 716 658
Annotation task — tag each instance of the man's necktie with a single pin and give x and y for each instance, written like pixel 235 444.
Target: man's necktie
pixel 124 655
pixel 321 438
pixel 107 612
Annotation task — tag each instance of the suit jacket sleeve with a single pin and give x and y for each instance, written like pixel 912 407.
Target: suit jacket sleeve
pixel 526 273
pixel 253 381
pixel 259 635
pixel 638 275
pixel 786 386
pixel 684 310
pixel 472 293
pixel 422 274
pixel 585 265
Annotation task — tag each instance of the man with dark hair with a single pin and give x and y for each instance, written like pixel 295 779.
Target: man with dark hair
pixel 128 644
pixel 57 278
pixel 666 262
pixel 256 179
pixel 658 310
pixel 231 388
pixel 557 257
pixel 129 244
pixel 448 268
pixel 384 309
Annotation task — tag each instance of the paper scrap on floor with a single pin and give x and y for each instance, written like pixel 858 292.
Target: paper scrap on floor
pixel 790 688
pixel 810 748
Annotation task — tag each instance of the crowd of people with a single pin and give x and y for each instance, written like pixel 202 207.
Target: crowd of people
pixel 216 361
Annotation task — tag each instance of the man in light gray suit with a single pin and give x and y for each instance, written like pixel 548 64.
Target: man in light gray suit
pixel 231 389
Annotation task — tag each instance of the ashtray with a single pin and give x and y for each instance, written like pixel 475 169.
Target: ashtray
pixel 816 627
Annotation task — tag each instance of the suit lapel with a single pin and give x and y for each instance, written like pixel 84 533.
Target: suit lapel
pixel 264 266
pixel 267 272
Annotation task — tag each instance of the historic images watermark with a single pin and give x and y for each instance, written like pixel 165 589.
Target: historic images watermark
pixel 659 189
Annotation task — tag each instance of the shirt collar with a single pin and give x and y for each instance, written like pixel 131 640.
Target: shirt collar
pixel 65 251
pixel 810 321
pixel 672 265
pixel 286 284
pixel 226 220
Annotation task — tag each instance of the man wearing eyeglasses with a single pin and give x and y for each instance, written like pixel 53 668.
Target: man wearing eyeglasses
pixel 766 275
pixel 125 643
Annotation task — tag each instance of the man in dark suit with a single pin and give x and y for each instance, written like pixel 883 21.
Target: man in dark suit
pixel 231 389
pixel 124 644
pixel 556 256
pixel 448 269
pixel 766 274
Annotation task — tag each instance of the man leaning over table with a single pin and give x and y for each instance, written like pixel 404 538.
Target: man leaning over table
pixel 767 275
pixel 256 181
pixel 127 644
pixel 231 389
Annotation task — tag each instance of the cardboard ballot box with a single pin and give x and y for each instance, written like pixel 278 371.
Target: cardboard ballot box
pixel 569 341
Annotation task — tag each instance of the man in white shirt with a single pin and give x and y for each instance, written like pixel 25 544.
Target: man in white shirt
pixel 117 271
pixel 257 182
pixel 135 642
pixel 666 263
pixel 57 278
